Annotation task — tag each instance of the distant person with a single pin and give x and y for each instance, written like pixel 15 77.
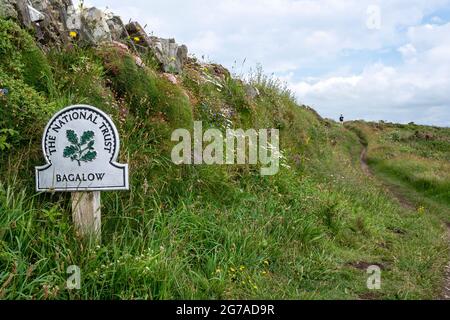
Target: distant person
pixel 341 119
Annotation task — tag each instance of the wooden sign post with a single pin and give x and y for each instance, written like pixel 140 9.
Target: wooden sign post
pixel 81 145
pixel 86 214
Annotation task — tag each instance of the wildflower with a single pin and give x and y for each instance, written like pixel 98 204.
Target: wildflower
pixel 242 268
pixel 421 210
pixel 218 271
pixel 232 269
pixel 145 186
pixel 137 39
pixel 73 34
pixel 263 273
pixel 266 262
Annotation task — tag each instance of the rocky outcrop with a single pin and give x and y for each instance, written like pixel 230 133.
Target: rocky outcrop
pixel 45 16
pixel 58 22
pixel 116 28
pixel 137 34
pixel 171 56
pixel 95 26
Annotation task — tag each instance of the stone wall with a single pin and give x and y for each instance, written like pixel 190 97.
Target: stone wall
pixel 59 23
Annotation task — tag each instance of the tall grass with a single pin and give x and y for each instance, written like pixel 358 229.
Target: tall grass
pixel 211 232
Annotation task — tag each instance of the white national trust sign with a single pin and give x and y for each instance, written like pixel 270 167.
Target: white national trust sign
pixel 81 145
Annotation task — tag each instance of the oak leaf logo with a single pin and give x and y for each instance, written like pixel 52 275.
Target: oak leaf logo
pixel 81 150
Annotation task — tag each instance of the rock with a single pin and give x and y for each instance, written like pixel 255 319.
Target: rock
pixel 251 91
pixel 138 61
pixel 120 46
pixel 48 17
pixel 56 22
pixel 40 5
pixel 73 19
pixel 138 36
pixel 35 15
pixel 23 12
pixel 116 28
pixel 170 55
pixel 170 77
pixel 95 26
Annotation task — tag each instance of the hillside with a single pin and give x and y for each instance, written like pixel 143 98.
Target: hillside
pixel 212 231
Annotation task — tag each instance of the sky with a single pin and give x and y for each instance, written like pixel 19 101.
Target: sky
pixel 373 60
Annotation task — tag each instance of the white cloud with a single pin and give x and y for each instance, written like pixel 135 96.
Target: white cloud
pixel 408 52
pixel 207 42
pixel 416 90
pixel 306 42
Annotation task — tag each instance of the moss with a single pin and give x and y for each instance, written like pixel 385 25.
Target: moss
pixel 22 59
pixel 36 71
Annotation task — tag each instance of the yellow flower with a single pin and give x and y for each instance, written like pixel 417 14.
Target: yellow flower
pixel 232 269
pixel 136 39
pixel 242 268
pixel 263 273
pixel 266 262
pixel 218 271
pixel 421 210
pixel 73 34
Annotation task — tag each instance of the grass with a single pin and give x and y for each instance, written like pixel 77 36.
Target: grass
pixel 206 232
pixel 415 159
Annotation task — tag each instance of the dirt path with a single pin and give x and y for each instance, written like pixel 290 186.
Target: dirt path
pixel 409 205
pixel 364 166
pixel 404 202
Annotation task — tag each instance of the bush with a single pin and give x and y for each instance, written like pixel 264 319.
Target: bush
pixel 23 109
pixel 22 59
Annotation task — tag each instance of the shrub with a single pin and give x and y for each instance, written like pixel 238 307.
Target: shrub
pixel 22 59
pixel 23 109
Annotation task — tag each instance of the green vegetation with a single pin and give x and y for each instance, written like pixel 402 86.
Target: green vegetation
pixel 415 159
pixel 211 232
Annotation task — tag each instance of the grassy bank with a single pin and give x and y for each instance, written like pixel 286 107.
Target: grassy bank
pixel 187 232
